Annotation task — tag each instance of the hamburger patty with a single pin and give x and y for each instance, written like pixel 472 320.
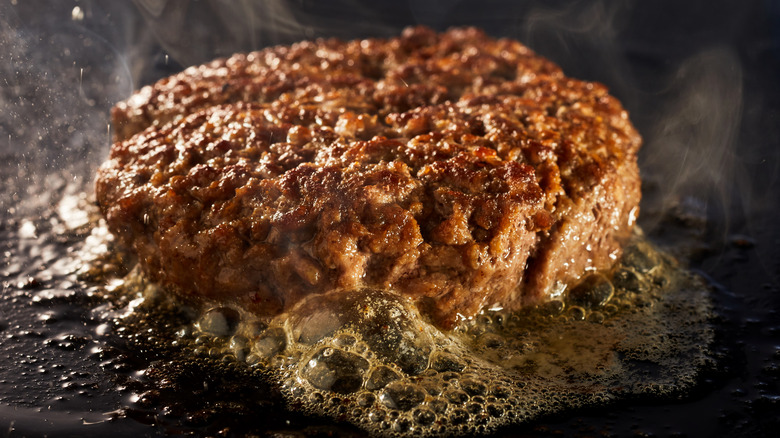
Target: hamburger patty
pixel 459 170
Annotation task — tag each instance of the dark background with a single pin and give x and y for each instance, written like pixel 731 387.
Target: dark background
pixel 701 80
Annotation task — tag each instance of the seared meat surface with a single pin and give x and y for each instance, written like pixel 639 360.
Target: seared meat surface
pixel 456 169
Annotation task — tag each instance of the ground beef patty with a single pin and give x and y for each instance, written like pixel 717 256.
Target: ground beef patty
pixel 459 170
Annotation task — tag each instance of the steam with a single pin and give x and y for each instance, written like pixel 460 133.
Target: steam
pixel 223 27
pixel 59 78
pixel 62 71
pixel 692 149
pixel 685 99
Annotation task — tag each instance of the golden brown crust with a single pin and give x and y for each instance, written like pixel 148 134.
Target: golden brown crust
pixel 457 169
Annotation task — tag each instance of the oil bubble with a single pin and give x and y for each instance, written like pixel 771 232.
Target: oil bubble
pixel 366 399
pixel 438 406
pixel 402 396
pixel 456 396
pixel 593 291
pixel 423 416
pixel 577 313
pixel 270 343
pixel 219 321
pixel 473 387
pixel 335 370
pixel 376 416
pixel 389 328
pixel 381 376
pixel 640 257
pixel 629 280
pixel 430 385
pixel 495 410
pixel 403 426
pixel 458 416
pixel 443 362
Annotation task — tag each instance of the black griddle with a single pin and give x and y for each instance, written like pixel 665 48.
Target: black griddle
pixel 701 80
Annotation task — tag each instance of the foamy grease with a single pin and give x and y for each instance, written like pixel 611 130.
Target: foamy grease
pixel 367 356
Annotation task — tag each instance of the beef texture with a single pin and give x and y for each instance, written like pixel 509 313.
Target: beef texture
pixel 461 171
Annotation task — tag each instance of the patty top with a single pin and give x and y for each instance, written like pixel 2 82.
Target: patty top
pixel 432 163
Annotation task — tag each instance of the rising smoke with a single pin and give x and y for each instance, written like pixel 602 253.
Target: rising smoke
pixel 61 72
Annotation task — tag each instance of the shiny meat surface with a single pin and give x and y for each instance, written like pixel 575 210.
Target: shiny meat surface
pixel 461 171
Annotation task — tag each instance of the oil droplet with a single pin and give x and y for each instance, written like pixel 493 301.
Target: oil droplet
pixel 77 14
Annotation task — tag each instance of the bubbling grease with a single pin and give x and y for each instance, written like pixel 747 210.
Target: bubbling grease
pixel 367 356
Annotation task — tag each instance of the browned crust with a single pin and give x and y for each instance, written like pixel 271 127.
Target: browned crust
pixel 460 170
